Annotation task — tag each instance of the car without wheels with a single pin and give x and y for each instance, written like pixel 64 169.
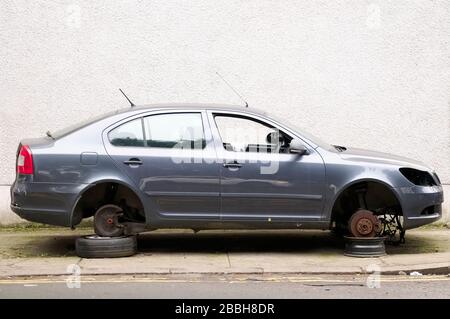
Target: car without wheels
pixel 203 166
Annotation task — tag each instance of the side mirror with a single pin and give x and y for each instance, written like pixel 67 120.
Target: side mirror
pixel 297 147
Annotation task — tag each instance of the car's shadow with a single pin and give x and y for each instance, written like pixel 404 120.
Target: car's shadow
pixel 307 242
pixel 299 242
pixel 250 241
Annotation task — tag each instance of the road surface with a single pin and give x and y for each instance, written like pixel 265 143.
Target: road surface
pixel 264 286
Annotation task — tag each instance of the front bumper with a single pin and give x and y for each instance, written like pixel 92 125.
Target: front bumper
pixel 46 203
pixel 421 205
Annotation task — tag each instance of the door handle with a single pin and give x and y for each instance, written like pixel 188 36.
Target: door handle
pixel 133 161
pixel 234 164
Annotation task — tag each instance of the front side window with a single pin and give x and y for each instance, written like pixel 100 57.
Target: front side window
pixel 128 134
pixel 181 130
pixel 242 134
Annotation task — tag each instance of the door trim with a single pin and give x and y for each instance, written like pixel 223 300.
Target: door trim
pixel 272 195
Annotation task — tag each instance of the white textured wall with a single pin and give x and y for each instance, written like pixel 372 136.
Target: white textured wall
pixel 372 74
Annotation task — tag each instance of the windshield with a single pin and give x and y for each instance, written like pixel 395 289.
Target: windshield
pixel 77 126
pixel 300 131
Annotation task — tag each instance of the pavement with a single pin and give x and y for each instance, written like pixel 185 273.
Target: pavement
pixel 51 252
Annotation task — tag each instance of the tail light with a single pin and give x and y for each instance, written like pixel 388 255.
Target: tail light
pixel 25 161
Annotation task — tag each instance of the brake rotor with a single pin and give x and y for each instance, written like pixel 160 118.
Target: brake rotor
pixel 364 223
pixel 106 221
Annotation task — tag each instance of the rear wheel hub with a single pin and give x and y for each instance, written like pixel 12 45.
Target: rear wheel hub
pixel 106 221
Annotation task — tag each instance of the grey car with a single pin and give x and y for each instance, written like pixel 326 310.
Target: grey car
pixel 202 166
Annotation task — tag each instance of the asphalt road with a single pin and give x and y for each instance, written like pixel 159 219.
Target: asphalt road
pixel 230 287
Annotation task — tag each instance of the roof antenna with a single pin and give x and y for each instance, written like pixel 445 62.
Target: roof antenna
pixel 229 85
pixel 131 103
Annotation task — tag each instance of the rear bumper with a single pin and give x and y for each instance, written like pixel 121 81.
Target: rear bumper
pixel 46 203
pixel 421 205
pixel 50 217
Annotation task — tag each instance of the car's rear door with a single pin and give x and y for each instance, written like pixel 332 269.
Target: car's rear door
pixel 170 155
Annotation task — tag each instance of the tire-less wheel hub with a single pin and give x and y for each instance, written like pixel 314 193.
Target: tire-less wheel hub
pixel 364 223
pixel 106 221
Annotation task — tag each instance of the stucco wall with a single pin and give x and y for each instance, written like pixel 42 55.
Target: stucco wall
pixel 371 74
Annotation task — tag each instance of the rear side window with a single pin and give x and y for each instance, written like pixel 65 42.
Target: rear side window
pixel 80 125
pixel 181 130
pixel 128 134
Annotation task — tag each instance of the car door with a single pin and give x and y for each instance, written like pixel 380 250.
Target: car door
pixel 260 179
pixel 170 156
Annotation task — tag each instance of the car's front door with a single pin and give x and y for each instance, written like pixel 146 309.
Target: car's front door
pixel 260 179
pixel 171 158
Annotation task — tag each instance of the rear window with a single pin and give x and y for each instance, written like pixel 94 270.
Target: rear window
pixel 72 128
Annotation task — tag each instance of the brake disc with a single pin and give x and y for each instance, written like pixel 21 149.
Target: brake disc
pixel 364 223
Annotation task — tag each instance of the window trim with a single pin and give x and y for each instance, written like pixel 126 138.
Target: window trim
pixel 145 114
pixel 244 117
pixel 143 131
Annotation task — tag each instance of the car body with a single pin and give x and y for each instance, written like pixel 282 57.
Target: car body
pixel 142 159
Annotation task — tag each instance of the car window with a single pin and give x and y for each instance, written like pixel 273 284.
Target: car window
pixel 294 127
pixel 128 134
pixel 242 134
pixel 182 130
pixel 72 128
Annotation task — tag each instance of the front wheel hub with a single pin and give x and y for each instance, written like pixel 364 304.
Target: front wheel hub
pixel 364 223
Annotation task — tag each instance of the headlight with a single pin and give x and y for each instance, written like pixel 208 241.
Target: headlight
pixel 418 177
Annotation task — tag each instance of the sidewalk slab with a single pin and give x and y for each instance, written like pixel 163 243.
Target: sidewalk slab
pixel 293 263
pixel 156 263
pixel 51 252
pixel 36 266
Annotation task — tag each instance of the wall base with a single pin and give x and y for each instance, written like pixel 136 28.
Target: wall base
pixel 7 217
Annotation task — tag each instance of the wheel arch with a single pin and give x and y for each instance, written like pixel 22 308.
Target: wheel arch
pixel 73 222
pixel 338 195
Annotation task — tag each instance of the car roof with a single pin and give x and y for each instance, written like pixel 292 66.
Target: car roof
pixel 118 115
pixel 130 111
pixel 186 106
